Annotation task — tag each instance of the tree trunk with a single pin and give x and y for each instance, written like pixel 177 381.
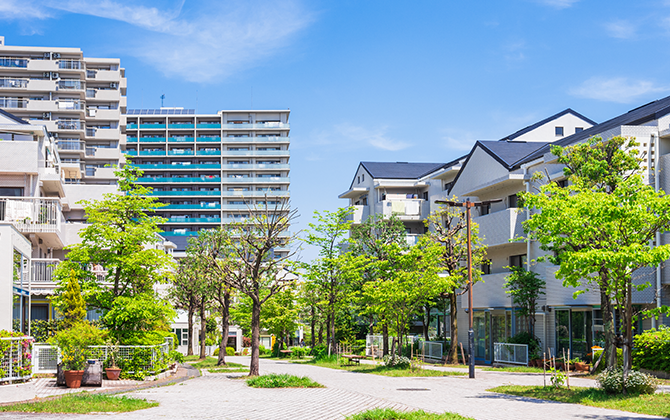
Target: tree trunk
pixel 332 332
pixel 321 333
pixel 385 338
pixel 628 333
pixel 608 326
pixel 255 338
pixel 426 322
pixel 313 326
pixel 453 334
pixel 329 341
pixel 203 331
pixel 189 352
pixel 371 325
pixel 225 323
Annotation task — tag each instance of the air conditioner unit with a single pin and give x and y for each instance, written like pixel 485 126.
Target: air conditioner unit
pixel 46 115
pixel 55 75
pixel 114 85
pixel 55 135
pixel 55 55
pixel 46 55
pixel 46 74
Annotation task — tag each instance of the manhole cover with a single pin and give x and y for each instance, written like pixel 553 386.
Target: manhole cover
pixel 413 389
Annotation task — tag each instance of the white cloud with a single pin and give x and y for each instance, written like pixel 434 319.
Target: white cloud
pixel 514 50
pixel 22 9
pixel 202 42
pixel 559 4
pixel 458 140
pixel 374 137
pixel 348 137
pixel 616 89
pixel 620 29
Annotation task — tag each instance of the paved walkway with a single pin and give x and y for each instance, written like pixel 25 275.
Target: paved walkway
pixel 219 396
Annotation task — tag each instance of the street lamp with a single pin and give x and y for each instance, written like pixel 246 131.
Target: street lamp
pixel 471 332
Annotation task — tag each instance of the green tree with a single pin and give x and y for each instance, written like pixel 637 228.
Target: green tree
pixel 119 237
pixel 243 258
pixel 604 236
pixel 331 274
pixel 410 277
pixel 133 319
pixel 525 287
pixel 69 301
pixel 372 239
pixel 448 228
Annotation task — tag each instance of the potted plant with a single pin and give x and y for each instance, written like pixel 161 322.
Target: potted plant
pixel 112 370
pixel 73 363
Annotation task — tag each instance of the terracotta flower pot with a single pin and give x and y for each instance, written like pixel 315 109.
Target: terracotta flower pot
pixel 73 378
pixel 581 367
pixel 113 373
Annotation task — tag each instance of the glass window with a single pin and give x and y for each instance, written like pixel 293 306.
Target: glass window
pixel 559 131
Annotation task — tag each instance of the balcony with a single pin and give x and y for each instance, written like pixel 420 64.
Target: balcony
pixel 73 104
pixel 151 180
pixel 69 125
pixel 201 206
pixel 70 65
pixel 43 269
pixel 103 114
pixel 41 216
pixel 42 65
pixel 490 292
pixel 275 153
pixel 274 139
pixel 13 83
pixel 406 210
pixel 70 85
pixel 209 139
pixel 104 75
pixel 181 139
pixel 181 126
pixel 194 220
pixel 186 193
pixel 103 94
pixel 148 139
pixel 15 62
pixel 151 126
pixel 498 228
pixel 359 215
pixel 147 152
pixel 145 166
pixel 103 153
pixel 257 180
pixel 209 152
pixel 103 133
pixel 14 103
pixel 209 125
pixel 70 145
pixel 250 166
pixel 177 152
pixel 258 125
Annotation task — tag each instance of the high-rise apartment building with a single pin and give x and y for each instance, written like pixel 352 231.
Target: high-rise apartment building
pixel 210 169
pixel 80 100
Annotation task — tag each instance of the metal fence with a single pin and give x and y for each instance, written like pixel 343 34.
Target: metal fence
pixel 432 350
pixel 15 359
pixel 510 353
pixel 46 357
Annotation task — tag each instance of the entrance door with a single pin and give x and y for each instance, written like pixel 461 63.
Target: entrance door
pixel 482 327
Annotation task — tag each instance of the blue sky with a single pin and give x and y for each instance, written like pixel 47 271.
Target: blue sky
pixel 370 80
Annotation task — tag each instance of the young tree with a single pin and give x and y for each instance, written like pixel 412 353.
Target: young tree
pixel 120 235
pixel 243 257
pixel 331 273
pixel 525 287
pixel 410 278
pixel 69 301
pixel 448 228
pixel 372 239
pixel 600 166
pixel 605 237
pixel 185 293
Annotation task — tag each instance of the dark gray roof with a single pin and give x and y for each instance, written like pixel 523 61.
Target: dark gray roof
pixel 510 152
pixel 400 170
pixel 638 116
pixel 546 120
pixel 13 117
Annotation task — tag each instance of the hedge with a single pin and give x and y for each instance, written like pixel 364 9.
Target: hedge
pixel 652 349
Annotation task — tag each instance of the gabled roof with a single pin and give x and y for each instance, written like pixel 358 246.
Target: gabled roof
pixel 13 117
pixel 640 115
pixel 399 170
pixel 546 120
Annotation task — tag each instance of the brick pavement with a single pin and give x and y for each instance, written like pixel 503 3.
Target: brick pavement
pixel 217 396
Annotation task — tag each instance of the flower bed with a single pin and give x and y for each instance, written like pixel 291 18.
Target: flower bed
pixel 15 356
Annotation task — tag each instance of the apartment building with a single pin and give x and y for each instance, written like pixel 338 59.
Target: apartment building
pixel 80 100
pixel 210 169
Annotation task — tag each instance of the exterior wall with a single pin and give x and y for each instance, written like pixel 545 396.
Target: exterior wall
pixel 480 169
pixel 10 239
pixel 547 132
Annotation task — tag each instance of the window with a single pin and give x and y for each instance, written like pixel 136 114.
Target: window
pixel 579 129
pixel 559 131
pixel 363 177
pixel 359 180
pixel 425 195
pixel 517 260
pixel 513 201
pixel 486 268
pixel 562 183
pixel 485 209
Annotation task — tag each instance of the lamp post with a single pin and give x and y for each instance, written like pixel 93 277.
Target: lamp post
pixel 471 332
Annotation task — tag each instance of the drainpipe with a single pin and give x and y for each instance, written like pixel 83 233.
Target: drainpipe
pixel 656 142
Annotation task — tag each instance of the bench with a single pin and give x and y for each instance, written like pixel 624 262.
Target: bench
pixel 353 359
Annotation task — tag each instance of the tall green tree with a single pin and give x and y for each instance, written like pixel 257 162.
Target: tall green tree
pixel 120 238
pixel 69 301
pixel 372 239
pixel 331 274
pixel 605 238
pixel 448 228
pixel 243 257
pixel 525 287
pixel 600 166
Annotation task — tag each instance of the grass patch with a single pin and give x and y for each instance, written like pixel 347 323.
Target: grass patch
pixel 228 370
pixel 388 414
pixel 284 380
pixel 523 369
pixel 82 403
pixel 381 369
pixel 209 362
pixel 655 404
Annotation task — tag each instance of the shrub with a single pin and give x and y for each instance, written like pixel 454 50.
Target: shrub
pixel 262 350
pixel 80 335
pixel 21 364
pixel 319 351
pixel 42 330
pixel 395 361
pixel 216 351
pixel 176 356
pixel 246 342
pixel 230 351
pixel 283 380
pixel 611 380
pixel 298 352
pixel 603 363
pixel 146 338
pixel 652 349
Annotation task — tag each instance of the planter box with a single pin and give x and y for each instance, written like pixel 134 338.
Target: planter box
pixel 92 375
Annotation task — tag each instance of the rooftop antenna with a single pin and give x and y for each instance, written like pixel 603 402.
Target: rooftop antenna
pixel 162 99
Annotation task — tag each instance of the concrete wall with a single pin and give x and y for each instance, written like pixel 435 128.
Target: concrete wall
pixel 10 239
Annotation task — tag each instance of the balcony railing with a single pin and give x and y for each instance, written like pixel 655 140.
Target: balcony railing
pixel 179 180
pixel 262 125
pixel 13 62
pixel 273 139
pixel 70 145
pixel 179 166
pixel 43 269
pixel 181 139
pixel 209 139
pixel 191 126
pixel 31 215
pixel 70 125
pixel 70 65
pixel 209 125
pixel 13 83
pixel 150 126
pixel 72 104
pixel 70 84
pixel 13 103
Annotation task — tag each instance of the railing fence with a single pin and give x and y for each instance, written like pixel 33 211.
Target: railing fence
pixel 14 365
pixel 510 353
